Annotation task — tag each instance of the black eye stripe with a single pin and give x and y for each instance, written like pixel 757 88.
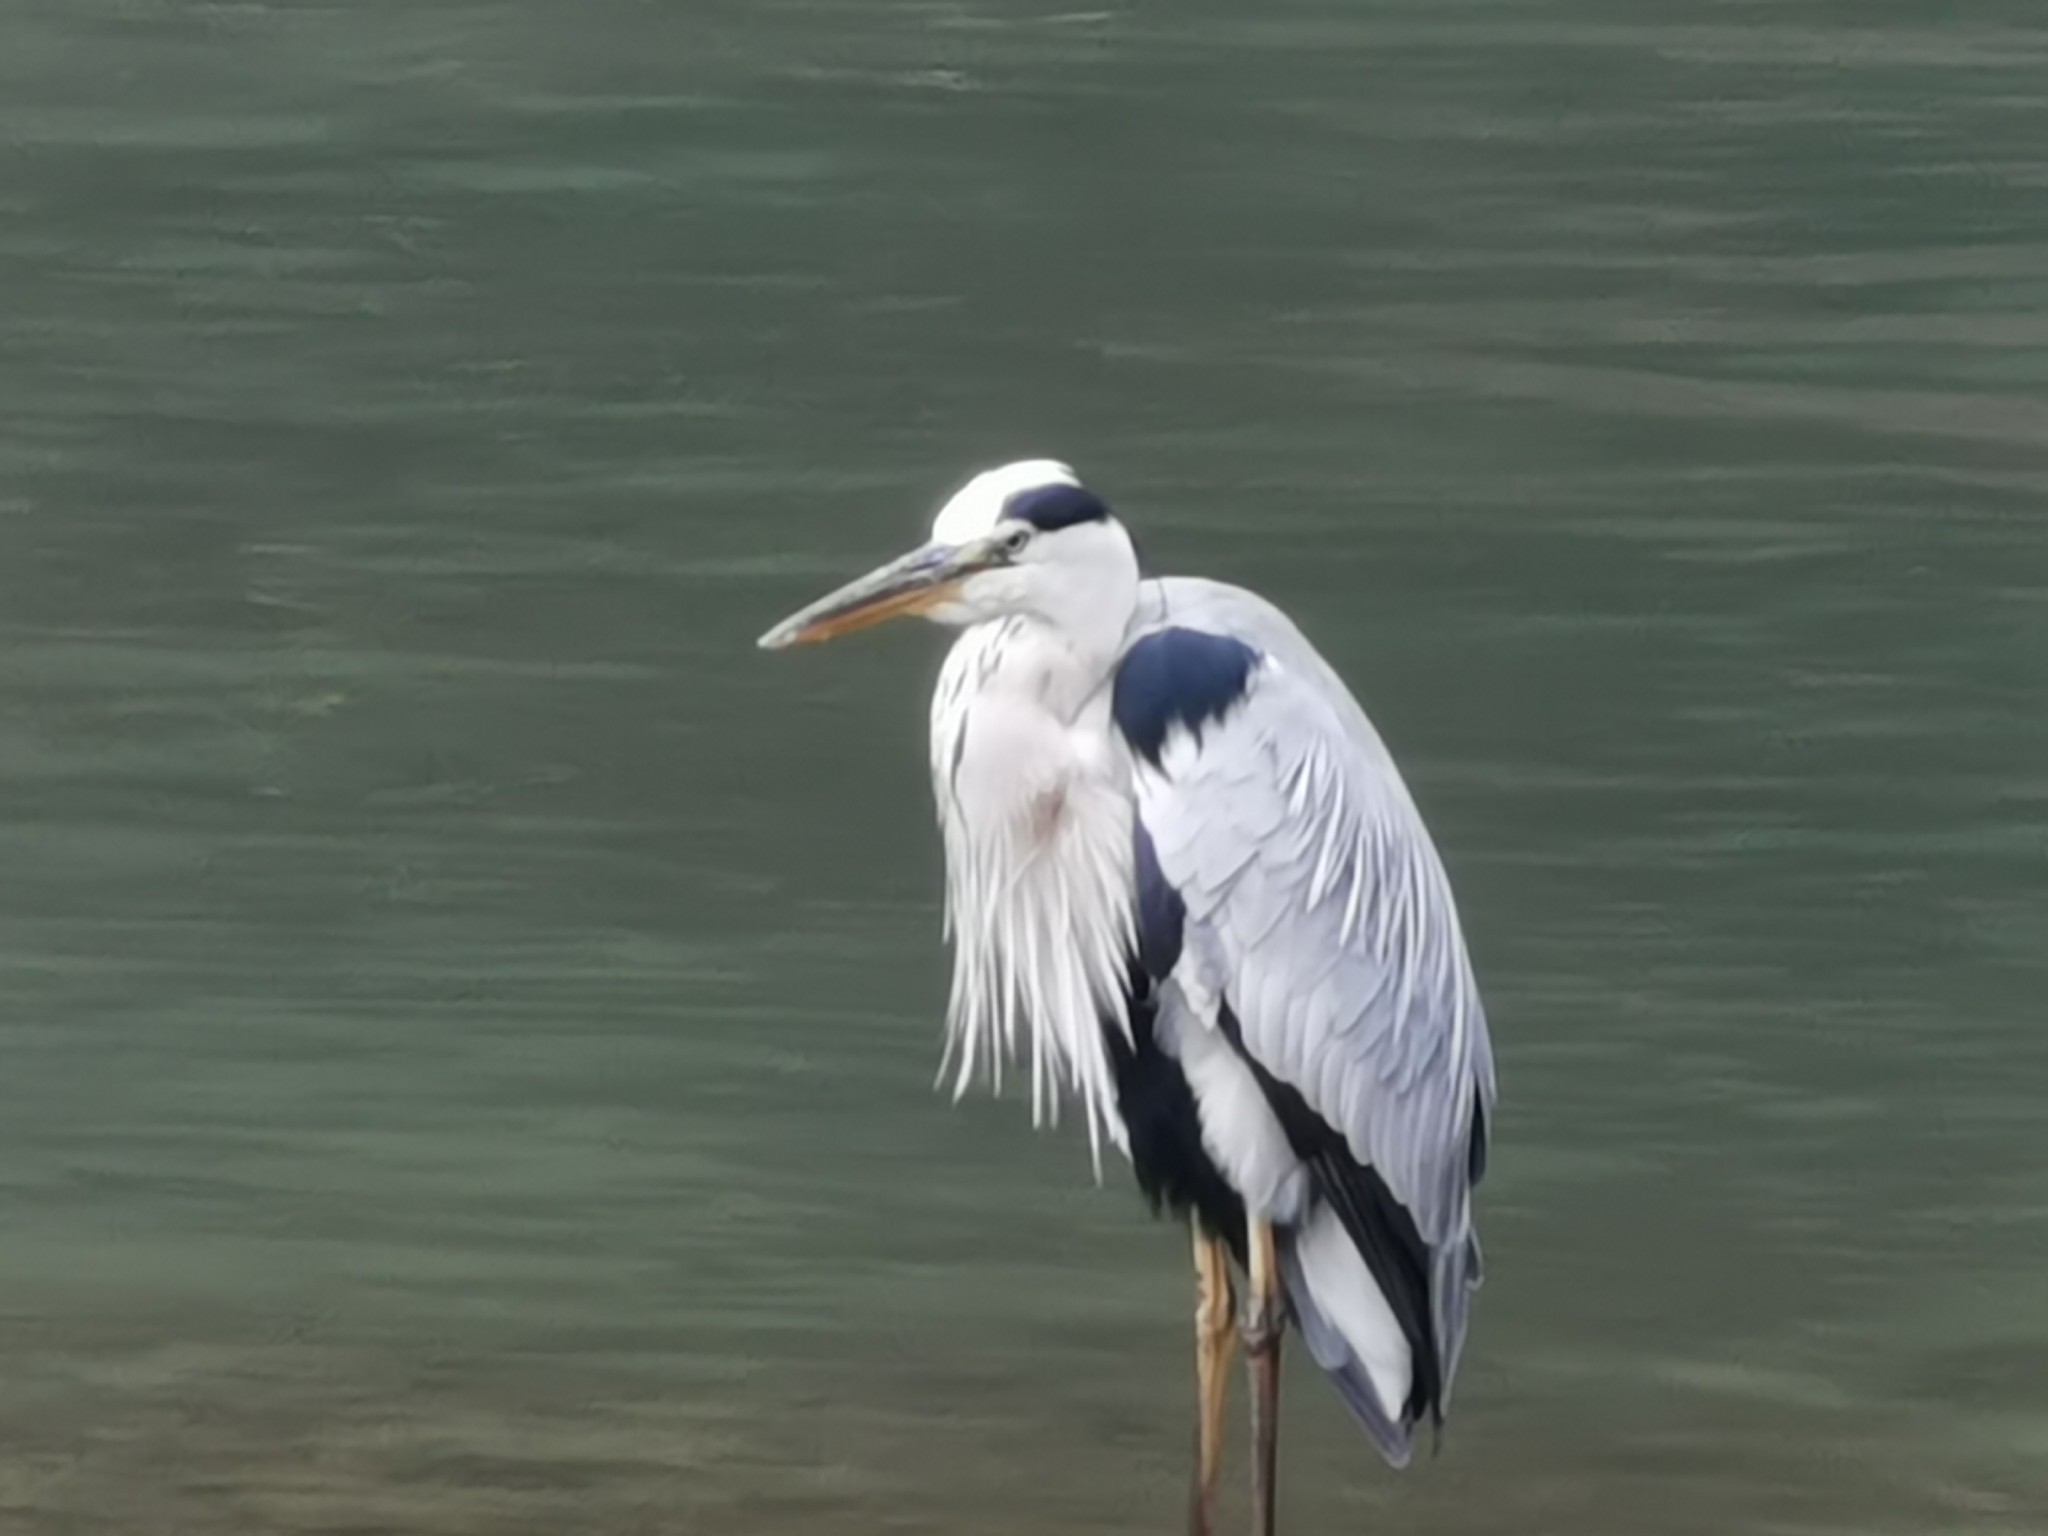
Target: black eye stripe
pixel 1051 507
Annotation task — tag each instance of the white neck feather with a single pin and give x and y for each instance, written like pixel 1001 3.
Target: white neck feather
pixel 1033 796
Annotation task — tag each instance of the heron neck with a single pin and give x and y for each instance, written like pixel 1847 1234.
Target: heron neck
pixel 1074 640
pixel 1063 666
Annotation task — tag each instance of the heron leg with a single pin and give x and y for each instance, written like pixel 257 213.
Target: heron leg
pixel 1264 1321
pixel 1214 1339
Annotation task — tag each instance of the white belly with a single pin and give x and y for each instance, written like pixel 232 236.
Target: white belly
pixel 1239 1129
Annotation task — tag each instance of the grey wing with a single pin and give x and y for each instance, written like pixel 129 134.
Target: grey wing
pixel 1317 908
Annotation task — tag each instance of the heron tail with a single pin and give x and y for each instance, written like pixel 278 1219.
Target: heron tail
pixel 1350 1330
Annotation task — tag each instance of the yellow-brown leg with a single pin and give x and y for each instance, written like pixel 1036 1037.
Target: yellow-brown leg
pixel 1264 1319
pixel 1214 1336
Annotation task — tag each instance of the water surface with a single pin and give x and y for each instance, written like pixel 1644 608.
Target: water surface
pixel 469 1019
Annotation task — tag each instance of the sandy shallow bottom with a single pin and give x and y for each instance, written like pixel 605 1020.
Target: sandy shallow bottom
pixel 291 1435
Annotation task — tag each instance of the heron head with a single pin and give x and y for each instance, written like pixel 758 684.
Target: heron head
pixel 1027 538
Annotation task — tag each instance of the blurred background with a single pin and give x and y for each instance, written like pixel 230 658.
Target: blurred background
pixel 468 1019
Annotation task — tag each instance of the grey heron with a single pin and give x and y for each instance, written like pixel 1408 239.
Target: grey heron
pixel 1184 874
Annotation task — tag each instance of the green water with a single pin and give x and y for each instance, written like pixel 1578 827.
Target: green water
pixel 468 1019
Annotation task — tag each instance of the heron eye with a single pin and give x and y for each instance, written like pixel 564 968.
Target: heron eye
pixel 1017 538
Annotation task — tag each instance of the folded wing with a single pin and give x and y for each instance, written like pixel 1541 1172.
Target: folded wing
pixel 1318 930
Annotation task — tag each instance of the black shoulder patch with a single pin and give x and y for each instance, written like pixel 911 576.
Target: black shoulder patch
pixel 1175 677
pixel 1051 507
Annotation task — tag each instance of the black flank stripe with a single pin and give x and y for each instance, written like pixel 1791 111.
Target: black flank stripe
pixel 1174 1169
pixel 1381 1227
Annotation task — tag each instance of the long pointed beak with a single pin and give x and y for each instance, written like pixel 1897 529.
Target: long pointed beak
pixel 918 581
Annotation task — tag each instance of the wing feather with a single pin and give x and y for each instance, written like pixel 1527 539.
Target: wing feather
pixel 1317 908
